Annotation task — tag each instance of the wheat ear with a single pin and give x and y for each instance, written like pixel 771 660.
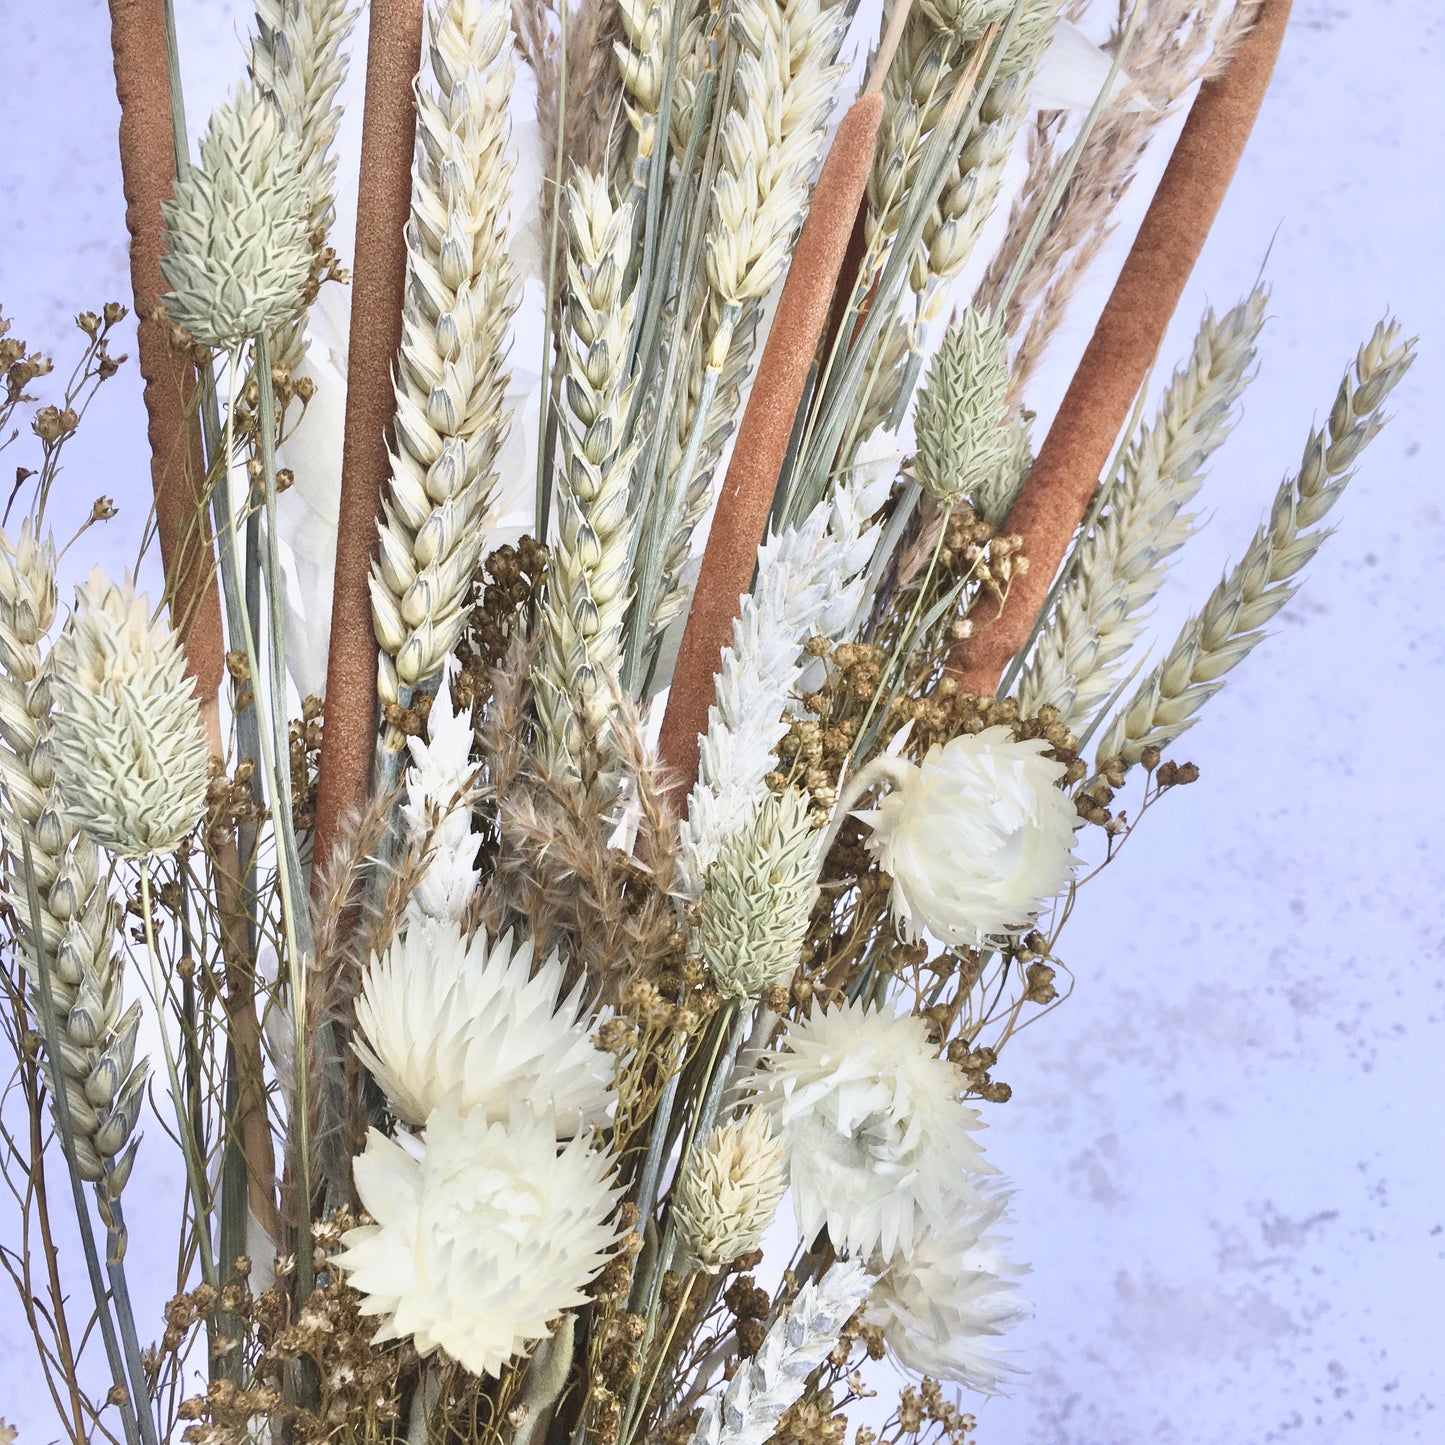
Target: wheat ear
pixel 104 1085
pixel 1119 565
pixel 586 594
pixel 1232 621
pixel 451 374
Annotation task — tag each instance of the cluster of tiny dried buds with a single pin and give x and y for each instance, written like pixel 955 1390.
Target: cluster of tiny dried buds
pixel 1096 798
pixel 502 594
pixel 231 802
pixel 305 744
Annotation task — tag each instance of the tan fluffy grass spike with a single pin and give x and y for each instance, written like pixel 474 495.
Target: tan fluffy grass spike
pixel 148 175
pixel 1125 342
pixel 387 139
pixel 762 441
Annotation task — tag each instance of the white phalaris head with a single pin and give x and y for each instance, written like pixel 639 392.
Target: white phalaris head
pixel 945 1305
pixel 878 1142
pixel 443 1015
pixel 130 757
pixel 238 245
pixel 484 1233
pixel 977 839
pixel 729 1190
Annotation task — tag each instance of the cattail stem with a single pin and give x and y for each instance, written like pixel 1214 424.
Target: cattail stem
pixel 1123 347
pixel 387 140
pixel 764 433
pixel 148 171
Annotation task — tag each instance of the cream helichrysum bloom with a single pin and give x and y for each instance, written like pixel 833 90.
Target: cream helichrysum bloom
pixel 878 1142
pixel 759 896
pixel 441 1014
pixel 238 246
pixel 485 1231
pixel 977 839
pixel 729 1191
pixel 944 1306
pixel 130 757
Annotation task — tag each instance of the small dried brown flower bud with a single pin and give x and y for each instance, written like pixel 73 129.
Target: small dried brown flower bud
pixel 1188 773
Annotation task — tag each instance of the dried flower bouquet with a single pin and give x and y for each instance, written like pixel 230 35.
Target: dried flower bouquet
pixel 586 835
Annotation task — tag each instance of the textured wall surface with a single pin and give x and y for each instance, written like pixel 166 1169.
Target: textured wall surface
pixel 1226 1145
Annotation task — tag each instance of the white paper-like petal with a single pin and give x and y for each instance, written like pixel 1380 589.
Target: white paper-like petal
pixel 1073 71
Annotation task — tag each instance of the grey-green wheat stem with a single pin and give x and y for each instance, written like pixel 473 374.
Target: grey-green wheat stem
pixel 1233 619
pixel 1119 565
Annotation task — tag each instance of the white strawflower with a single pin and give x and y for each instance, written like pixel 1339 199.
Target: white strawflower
pixel 438 810
pixel 943 1306
pixel 129 754
pixel 729 1191
pixel 238 246
pixel 877 1139
pixel 444 1015
pixel 977 839
pixel 485 1232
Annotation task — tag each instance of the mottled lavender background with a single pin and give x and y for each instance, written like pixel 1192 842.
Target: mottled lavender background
pixel 1227 1146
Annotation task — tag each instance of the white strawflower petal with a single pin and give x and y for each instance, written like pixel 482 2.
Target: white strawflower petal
pixel 483 1236
pixel 438 810
pixel 441 1015
pixel 130 758
pixel 944 1306
pixel 977 839
pixel 729 1191
pixel 876 1136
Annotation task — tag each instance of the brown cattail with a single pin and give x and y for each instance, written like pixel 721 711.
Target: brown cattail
pixel 1125 342
pixel 387 138
pixel 762 441
pixel 148 175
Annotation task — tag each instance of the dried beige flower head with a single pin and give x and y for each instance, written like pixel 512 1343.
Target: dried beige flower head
pixel 729 1191
pixel 877 1141
pixel 964 448
pixel 130 757
pixel 977 839
pixel 485 1233
pixel 441 1014
pixel 237 235
pixel 759 897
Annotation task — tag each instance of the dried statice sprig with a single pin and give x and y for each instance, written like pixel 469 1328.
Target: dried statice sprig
pixel 238 249
pixel 758 901
pixel 766 1385
pixel 729 1191
pixel 806 580
pixel 586 594
pixel 130 758
pixel 965 448
pixel 1232 621
pixel 104 1085
pixel 451 374
pixel 771 137
pixel 1119 565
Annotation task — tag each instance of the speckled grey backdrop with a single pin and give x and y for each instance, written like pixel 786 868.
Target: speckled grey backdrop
pixel 1227 1146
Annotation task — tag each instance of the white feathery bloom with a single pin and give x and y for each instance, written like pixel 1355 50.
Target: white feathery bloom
pixel 877 1138
pixel 442 1015
pixel 130 757
pixel 729 1191
pixel 238 247
pixel 943 1306
pixel 977 839
pixel 806 581
pixel 438 810
pixel 748 1410
pixel 485 1232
